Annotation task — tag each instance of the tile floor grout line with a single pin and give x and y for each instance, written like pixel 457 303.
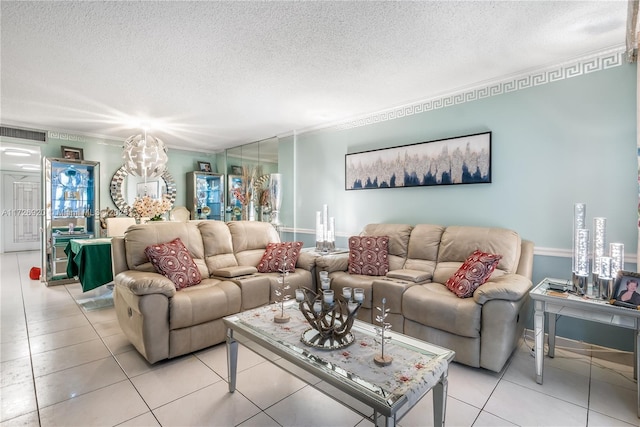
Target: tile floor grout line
pixel 115 359
pixel 24 312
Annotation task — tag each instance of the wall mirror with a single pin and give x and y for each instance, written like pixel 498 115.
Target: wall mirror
pixel 260 155
pixel 125 188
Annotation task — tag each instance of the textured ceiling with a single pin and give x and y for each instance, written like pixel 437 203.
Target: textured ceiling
pixel 211 75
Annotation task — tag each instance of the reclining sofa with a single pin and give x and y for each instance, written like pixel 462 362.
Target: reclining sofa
pixel 484 328
pixel 162 322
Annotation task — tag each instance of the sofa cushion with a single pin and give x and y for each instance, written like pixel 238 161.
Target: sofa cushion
pixel 423 247
pixel 459 241
pixel 218 247
pixel 138 237
pixel 433 305
pixel 398 241
pixel 274 257
pixel 474 272
pixel 369 255
pixel 172 260
pixel 212 299
pixel 250 239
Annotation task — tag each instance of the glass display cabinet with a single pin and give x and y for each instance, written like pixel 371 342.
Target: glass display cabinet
pixel 205 195
pixel 71 206
pixel 234 208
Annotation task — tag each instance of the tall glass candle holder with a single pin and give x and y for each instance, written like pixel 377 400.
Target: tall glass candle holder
pixel 319 231
pixel 325 231
pixel 599 241
pixel 616 252
pixel 579 214
pixel 331 236
pixel 580 277
pixel 604 281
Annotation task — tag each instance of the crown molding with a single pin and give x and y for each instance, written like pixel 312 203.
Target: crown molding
pixel 595 61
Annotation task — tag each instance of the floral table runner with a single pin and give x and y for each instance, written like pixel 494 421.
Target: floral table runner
pixel 411 373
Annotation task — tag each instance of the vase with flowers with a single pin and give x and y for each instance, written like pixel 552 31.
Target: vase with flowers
pixel 146 207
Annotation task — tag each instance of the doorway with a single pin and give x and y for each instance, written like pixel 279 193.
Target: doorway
pixel 21 211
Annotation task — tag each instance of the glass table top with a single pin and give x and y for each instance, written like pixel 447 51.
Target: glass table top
pixel 417 366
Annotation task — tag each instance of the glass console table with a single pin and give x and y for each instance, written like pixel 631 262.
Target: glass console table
pixel 391 391
pixel 586 308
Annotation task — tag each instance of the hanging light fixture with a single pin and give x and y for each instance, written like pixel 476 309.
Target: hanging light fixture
pixel 145 155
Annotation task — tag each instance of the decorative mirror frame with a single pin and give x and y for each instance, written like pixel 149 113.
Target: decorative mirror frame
pixel 118 197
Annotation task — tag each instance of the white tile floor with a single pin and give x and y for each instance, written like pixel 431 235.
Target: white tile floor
pixel 63 366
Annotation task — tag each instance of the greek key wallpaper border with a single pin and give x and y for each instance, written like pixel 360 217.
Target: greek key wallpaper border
pixel 588 64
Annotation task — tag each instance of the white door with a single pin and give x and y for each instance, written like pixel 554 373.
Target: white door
pixel 21 211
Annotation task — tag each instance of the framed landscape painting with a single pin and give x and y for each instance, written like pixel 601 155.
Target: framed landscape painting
pixel 460 160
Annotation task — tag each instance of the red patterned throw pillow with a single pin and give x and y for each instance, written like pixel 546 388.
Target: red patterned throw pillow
pixel 474 272
pixel 174 261
pixel 369 255
pixel 273 257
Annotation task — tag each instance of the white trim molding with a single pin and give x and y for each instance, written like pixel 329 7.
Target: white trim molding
pixel 538 250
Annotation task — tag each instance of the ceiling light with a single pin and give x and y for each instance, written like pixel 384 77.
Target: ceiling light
pixel 16 153
pixel 145 155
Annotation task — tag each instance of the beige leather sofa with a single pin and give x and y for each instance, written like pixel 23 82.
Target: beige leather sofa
pixel 164 323
pixel 484 329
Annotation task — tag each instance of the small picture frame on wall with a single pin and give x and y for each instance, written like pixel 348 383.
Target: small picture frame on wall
pixel 236 170
pixel 72 153
pixel 205 167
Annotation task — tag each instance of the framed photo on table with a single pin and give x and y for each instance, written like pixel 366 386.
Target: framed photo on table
pixel 72 153
pixel 625 289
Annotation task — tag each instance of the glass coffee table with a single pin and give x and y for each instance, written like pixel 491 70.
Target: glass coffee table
pixel 391 391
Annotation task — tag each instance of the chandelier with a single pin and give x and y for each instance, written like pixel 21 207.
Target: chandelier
pixel 144 155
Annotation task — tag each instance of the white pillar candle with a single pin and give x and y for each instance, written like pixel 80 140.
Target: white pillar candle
pixel 358 295
pixel 346 292
pixel 328 296
pixel 352 306
pixel 325 220
pixel 317 306
pixel 299 295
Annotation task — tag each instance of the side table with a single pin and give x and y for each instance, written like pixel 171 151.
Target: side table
pixel 585 308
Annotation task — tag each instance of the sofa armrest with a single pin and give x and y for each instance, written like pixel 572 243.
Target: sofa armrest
pixel 145 283
pixel 510 287
pixel 307 260
pixel 331 263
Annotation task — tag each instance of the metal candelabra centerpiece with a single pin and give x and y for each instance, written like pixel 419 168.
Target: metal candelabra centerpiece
pixel 330 317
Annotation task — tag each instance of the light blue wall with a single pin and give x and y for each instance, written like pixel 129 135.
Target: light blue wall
pixel 109 153
pixel 570 141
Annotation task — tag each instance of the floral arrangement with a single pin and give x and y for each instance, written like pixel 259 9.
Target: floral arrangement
pixel 151 208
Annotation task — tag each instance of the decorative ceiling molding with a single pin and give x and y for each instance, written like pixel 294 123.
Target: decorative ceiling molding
pixel 68 137
pixel 588 64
